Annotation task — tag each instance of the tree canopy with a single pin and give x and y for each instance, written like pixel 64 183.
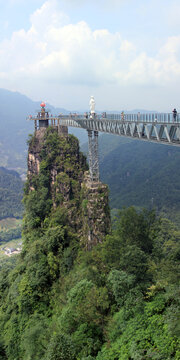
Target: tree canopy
pixel 117 301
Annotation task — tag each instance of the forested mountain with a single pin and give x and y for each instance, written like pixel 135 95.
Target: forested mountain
pixel 141 174
pixel 64 300
pixel 11 191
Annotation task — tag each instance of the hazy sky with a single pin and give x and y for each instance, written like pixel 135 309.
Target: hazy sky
pixel 124 52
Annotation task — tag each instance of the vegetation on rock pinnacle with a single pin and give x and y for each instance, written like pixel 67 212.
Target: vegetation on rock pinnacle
pixel 58 301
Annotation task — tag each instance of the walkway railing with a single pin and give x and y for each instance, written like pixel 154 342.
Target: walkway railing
pixel 165 118
pixel 152 127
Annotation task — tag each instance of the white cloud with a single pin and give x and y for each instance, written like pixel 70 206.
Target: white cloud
pixel 56 50
pixel 48 16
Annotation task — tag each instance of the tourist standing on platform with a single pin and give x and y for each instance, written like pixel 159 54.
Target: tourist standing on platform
pixel 174 114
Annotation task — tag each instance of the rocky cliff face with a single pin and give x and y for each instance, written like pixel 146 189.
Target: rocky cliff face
pixel 55 160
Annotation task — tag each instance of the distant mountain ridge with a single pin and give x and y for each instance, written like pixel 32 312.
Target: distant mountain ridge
pixel 14 109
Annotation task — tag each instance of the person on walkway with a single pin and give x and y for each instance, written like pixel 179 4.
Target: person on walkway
pixel 174 114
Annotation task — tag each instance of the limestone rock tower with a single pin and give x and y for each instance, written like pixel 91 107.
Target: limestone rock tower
pixel 54 159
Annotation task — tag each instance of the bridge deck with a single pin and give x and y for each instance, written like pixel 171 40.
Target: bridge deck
pixel 147 127
pixel 154 127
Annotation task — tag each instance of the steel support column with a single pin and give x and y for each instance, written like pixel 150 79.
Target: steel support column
pixel 35 125
pixel 93 155
pixel 96 155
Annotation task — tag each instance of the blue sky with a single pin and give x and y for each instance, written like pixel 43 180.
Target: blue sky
pixel 124 52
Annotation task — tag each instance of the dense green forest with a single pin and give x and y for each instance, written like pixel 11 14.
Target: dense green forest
pixel 11 187
pixel 14 233
pixel 141 174
pixel 119 301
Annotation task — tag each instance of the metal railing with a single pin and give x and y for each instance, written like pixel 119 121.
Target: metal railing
pixel 161 118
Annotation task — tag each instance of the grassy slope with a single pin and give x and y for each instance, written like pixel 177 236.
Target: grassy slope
pixel 9 223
